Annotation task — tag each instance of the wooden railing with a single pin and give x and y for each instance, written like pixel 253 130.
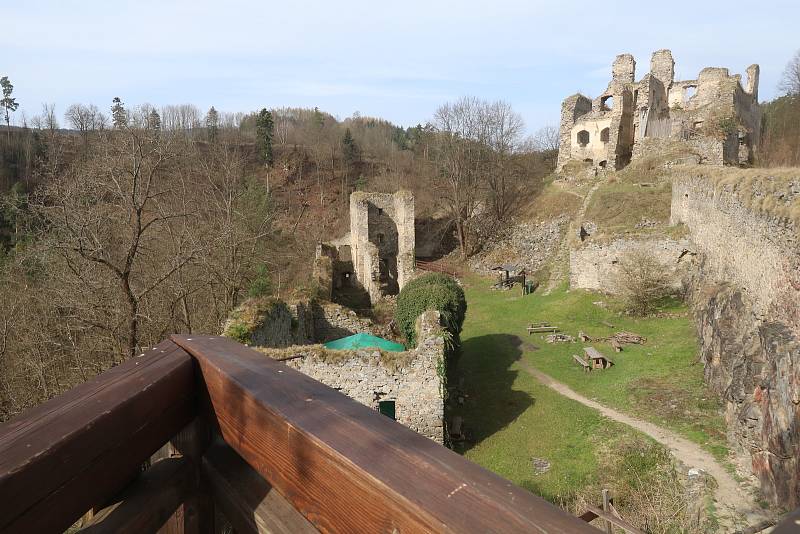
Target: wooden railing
pixel 229 433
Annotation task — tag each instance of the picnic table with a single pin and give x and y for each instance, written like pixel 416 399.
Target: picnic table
pixel 599 361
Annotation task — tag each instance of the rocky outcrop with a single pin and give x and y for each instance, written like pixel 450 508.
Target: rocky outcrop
pixel 528 245
pixel 754 365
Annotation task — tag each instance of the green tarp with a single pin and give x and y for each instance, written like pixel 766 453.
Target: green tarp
pixel 363 341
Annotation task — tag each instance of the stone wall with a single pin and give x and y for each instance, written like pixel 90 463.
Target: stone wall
pixel 414 379
pixel 596 266
pixel 411 379
pixel 719 116
pixel 274 323
pixel 746 298
pixel 382 241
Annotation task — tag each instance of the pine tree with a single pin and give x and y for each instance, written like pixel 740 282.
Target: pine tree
pixel 8 103
pixel 350 151
pixel 154 121
pixel 264 129
pixel 212 124
pixel 118 114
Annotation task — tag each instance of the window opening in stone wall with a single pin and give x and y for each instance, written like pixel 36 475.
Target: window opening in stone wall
pixel 379 238
pixel 603 164
pixel 387 408
pixel 583 138
pixel 607 103
pixel 688 92
pixel 605 134
pixel 380 211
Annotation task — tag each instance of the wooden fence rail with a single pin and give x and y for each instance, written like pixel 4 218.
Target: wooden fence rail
pixel 291 455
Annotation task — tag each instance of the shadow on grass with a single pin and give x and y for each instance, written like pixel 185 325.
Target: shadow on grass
pixel 485 379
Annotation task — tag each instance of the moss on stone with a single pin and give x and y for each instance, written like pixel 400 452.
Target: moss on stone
pixel 249 316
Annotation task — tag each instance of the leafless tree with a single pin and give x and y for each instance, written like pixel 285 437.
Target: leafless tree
pixel 460 157
pixel 504 128
pixel 790 81
pixel 546 139
pixel 102 225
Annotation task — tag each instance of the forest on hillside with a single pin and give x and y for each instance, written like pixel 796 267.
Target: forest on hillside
pixel 119 228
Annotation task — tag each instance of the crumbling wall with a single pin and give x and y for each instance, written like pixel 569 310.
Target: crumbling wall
pixel 746 298
pixel 721 121
pixel 382 241
pixel 572 109
pixel 274 323
pixel 596 266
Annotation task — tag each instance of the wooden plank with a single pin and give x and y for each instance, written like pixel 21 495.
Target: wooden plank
pixel 581 361
pixel 195 515
pixel 147 503
pixel 344 466
pixel 248 501
pixel 607 509
pixel 75 451
pixel 592 352
pixel 616 521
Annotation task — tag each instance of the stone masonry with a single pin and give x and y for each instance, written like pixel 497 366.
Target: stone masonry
pixel 717 117
pixel 410 379
pixel 413 380
pixel 746 298
pixel 378 254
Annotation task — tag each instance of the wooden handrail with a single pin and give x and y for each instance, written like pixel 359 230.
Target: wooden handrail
pixel 75 451
pixel 297 456
pixel 345 467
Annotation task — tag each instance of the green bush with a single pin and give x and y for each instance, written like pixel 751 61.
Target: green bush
pixel 431 291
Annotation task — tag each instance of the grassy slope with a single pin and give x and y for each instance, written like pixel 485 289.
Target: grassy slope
pixel 512 418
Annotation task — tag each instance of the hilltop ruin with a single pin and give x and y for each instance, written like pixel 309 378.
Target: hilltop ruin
pixel 716 117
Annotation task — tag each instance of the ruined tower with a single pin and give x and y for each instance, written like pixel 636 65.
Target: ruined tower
pixel 715 117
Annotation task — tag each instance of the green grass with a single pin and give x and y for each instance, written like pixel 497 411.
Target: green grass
pixel 660 381
pixel 511 419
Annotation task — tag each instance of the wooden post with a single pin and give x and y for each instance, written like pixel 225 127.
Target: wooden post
pixel 607 509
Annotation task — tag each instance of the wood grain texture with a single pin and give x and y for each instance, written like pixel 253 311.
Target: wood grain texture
pixel 246 499
pixel 75 451
pixel 147 503
pixel 345 467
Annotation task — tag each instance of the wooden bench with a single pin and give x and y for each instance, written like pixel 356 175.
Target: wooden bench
pixel 599 361
pixel 582 363
pixel 538 328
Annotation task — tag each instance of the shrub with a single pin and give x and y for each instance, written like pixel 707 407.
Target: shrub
pixel 431 291
pixel 260 286
pixel 643 282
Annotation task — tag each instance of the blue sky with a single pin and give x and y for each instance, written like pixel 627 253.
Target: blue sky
pixel 397 60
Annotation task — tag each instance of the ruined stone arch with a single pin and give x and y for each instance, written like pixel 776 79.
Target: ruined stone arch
pixel 607 103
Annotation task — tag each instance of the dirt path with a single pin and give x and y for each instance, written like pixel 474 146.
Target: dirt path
pixel 729 494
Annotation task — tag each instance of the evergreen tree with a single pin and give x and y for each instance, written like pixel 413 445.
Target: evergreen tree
pixel 212 124
pixel 350 151
pixel 8 103
pixel 264 129
pixel 154 121
pixel 118 114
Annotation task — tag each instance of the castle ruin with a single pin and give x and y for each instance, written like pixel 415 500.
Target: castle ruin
pixel 716 117
pixel 378 254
